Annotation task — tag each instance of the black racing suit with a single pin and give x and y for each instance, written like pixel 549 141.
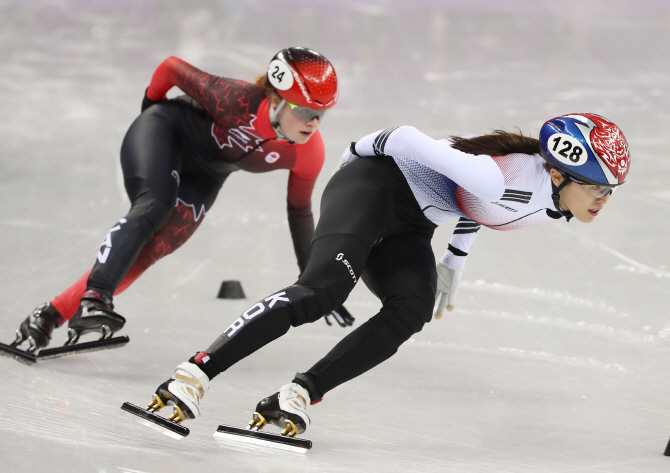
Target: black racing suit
pixel 175 157
pixel 371 227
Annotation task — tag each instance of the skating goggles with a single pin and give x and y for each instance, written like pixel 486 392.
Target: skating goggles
pixel 306 114
pixel 594 190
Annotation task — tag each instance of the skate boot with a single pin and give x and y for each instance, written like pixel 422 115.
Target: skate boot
pixel 285 409
pixel 183 391
pixel 95 314
pixel 38 327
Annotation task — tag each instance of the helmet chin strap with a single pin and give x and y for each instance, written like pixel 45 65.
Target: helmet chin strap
pixel 556 197
pixel 275 124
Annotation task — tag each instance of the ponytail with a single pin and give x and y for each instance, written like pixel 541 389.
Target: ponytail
pixel 496 143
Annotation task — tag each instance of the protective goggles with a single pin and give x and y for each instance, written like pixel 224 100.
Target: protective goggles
pixel 306 114
pixel 594 190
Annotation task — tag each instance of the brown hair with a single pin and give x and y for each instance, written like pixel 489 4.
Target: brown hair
pixel 496 143
pixel 263 82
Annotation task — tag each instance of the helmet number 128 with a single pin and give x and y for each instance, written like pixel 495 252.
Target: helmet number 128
pixel 568 150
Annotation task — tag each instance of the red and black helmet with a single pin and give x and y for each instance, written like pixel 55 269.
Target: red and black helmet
pixel 303 77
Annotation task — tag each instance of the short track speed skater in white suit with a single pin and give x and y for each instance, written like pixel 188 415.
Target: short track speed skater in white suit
pixel 378 213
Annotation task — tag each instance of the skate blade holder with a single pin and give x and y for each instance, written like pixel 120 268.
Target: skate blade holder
pixel 86 347
pixel 22 356
pixel 160 424
pixel 227 433
pixel 30 358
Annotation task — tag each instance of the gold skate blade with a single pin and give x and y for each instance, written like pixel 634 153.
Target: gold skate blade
pixel 153 421
pixel 227 433
pixel 96 345
pixel 19 355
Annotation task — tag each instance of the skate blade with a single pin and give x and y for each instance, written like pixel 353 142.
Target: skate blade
pixel 227 433
pixel 154 421
pixel 96 345
pixel 19 355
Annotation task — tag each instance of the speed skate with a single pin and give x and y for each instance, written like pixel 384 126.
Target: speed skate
pixel 95 315
pixel 285 409
pixel 184 391
pixel 227 433
pixel 146 417
pixel 29 357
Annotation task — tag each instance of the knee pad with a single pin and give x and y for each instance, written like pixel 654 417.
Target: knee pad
pixel 408 315
pixel 151 213
pixel 318 303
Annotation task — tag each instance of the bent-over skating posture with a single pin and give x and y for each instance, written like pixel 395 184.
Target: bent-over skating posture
pixel 378 214
pixel 176 156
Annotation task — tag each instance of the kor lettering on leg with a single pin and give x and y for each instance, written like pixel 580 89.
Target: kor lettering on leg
pixel 107 243
pixel 255 310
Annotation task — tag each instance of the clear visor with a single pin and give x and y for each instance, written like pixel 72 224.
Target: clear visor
pixel 598 191
pixel 306 114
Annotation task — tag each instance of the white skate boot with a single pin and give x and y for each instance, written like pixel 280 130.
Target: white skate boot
pixel 183 390
pixel 286 409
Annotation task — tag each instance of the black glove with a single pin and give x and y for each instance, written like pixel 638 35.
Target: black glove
pixel 341 315
pixel 147 102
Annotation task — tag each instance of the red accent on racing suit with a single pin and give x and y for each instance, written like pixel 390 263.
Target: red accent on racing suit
pixel 236 136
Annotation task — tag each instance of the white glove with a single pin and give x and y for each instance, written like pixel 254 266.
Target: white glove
pixel 347 157
pixel 447 285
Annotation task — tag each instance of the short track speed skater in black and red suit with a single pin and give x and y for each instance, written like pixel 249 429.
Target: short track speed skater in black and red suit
pixel 175 157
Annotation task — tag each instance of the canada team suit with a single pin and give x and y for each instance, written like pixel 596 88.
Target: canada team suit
pixel 175 158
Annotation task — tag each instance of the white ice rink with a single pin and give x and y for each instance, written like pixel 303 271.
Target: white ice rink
pixel 556 358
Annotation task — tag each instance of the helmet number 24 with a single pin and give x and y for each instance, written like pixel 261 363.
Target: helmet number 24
pixel 279 75
pixel 567 149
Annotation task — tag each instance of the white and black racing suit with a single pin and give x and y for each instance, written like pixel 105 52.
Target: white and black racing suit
pixel 378 214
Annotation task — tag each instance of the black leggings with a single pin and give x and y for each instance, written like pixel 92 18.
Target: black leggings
pixel 157 170
pixel 371 227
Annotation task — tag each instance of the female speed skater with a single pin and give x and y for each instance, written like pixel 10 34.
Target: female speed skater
pixel 175 158
pixel 378 214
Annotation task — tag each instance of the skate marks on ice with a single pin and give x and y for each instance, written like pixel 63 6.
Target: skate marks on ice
pixel 576 314
pixel 542 294
pixel 539 355
pixel 631 266
pixel 642 337
pixel 28 358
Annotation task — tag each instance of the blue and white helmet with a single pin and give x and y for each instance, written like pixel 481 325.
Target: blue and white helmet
pixel 587 147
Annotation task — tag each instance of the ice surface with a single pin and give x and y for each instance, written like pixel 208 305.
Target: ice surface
pixel 554 359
